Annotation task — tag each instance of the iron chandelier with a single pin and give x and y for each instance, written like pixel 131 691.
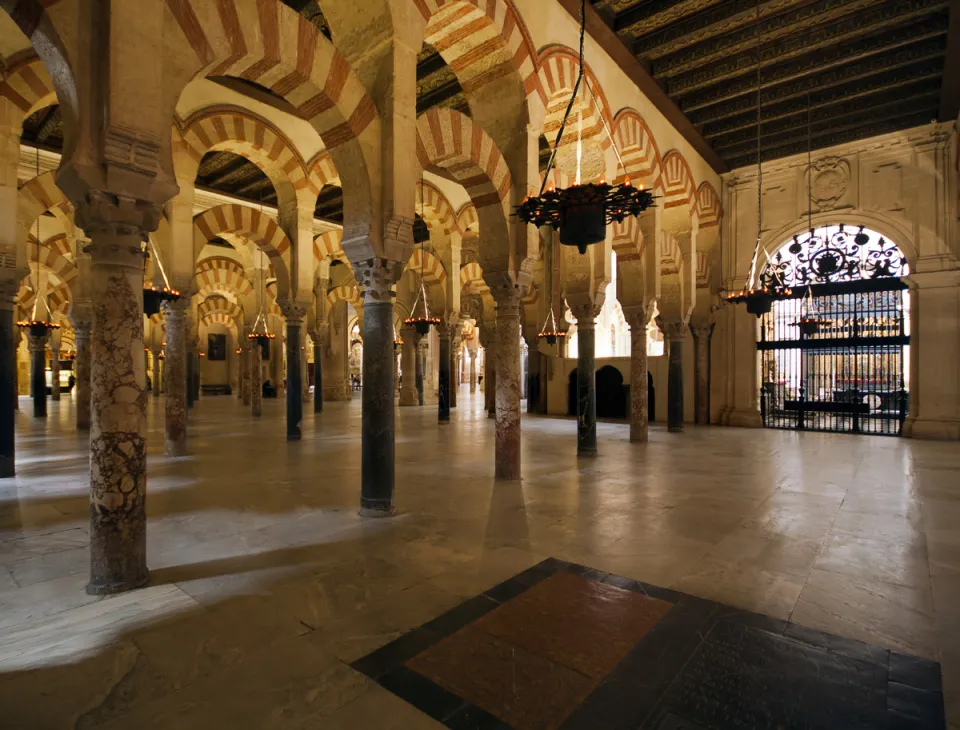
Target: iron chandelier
pixel 582 211
pixel 421 322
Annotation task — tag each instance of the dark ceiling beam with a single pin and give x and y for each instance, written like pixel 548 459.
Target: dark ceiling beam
pixel 217 165
pixel 429 65
pixel 915 94
pixel 715 20
pixel 631 66
pixel 748 120
pixel 950 93
pixel 835 21
pixel 438 95
pixel 236 175
pixel 798 56
pixel 636 19
pixel 795 129
pixel 48 124
pixel 832 139
pixel 798 82
pixel 843 83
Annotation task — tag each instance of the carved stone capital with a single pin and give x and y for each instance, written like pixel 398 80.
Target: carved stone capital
pixel 37 343
pixel 104 212
pixel 702 330
pixel 505 292
pixel 673 330
pixel 293 312
pixel 585 313
pixel 376 278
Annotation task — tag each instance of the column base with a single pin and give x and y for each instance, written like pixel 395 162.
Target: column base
pixel 932 430
pixel 586 452
pixel 378 512
pixel 409 397
pixel 106 589
pixel 7 468
pixel 744 419
pixel 675 429
pixel 175 448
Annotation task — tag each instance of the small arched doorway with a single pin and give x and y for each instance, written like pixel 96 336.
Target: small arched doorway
pixel 834 354
pixel 611 397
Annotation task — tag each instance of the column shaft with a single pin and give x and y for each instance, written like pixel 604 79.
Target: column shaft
pixel 55 373
pixel 177 369
pixel 38 383
pixel 294 375
pixel 188 371
pixel 82 373
pixel 533 375
pixel 317 376
pixel 473 371
pixel 8 395
pixel 377 428
pixel 419 374
pixel 586 386
pixel 508 385
pixel 701 373
pixel 118 463
pixel 491 378
pixel 256 378
pixel 443 388
pixel 156 374
pixel 675 335
pixel 639 408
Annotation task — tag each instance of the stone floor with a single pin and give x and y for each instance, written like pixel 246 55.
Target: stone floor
pixel 266 585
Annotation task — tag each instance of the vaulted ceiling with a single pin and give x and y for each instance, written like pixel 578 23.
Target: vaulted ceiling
pixel 861 67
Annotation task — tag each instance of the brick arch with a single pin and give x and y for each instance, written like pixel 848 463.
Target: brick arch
pixel 28 86
pixel 328 244
pixel 448 140
pixel 52 257
pixel 472 274
pixel 467 218
pixel 344 293
pixel 322 171
pixel 37 196
pixel 58 296
pixel 436 207
pixel 222 274
pixel 482 40
pixel 251 224
pixel 268 43
pixel 221 304
pixel 433 271
pixel 559 66
pixel 627 239
pixel 679 188
pixel 245 134
pixel 638 148
pixel 709 208
pixel 224 319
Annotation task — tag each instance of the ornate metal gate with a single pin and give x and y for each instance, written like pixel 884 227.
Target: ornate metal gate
pixel 847 370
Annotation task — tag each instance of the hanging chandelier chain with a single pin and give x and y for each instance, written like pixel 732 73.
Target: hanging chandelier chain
pixel 759 154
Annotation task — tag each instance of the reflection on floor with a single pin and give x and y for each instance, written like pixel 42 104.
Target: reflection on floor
pixel 565 646
pixel 266 585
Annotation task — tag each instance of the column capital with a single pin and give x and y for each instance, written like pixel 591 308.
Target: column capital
pixel 674 330
pixel 101 212
pixel 293 312
pixel 38 343
pixel 701 330
pixel 504 291
pixel 585 313
pixel 175 307
pixel 376 277
pixel 637 316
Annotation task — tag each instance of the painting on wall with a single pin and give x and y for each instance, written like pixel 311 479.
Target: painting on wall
pixel 216 347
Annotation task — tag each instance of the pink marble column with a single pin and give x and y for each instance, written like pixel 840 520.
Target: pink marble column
pixel 256 378
pixel 507 441
pixel 701 372
pixel 55 370
pixel 176 398
pixel 81 334
pixel 118 464
pixel 637 318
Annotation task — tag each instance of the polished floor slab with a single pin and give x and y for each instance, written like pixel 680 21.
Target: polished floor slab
pixel 266 585
pixel 565 646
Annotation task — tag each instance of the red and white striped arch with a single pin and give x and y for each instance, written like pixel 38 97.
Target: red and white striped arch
pixel 559 67
pixel 39 195
pixel 451 141
pixel 436 208
pixel 481 41
pixel 709 209
pixel 344 293
pixel 433 271
pixel 52 258
pixel 248 223
pixel 638 148
pixel 58 298
pixel 224 319
pixel 221 274
pixel 28 86
pixel 222 305
pixel 703 270
pixel 328 244
pixel 467 218
pixel 248 136
pixel 671 258
pixel 471 277
pixel 678 185
pixel 627 240
pixel 322 171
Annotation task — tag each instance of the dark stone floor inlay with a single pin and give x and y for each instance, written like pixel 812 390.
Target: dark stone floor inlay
pixel 562 646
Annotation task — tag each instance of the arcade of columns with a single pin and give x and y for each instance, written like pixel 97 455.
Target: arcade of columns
pixel 340 112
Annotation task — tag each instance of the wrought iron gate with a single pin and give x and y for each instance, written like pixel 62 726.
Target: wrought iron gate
pixel 849 374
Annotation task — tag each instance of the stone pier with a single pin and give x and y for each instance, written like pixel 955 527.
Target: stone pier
pixel 37 345
pixel 507 442
pixel 675 334
pixel 176 398
pixel 81 334
pixel 586 381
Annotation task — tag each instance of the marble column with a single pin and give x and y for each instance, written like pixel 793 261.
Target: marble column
pixel 473 370
pixel 409 396
pixel 454 369
pixel 294 375
pixel 17 337
pixel 317 373
pixel 675 333
pixel 189 365
pixel 177 369
pixel 304 372
pixel 55 368
pixel 490 380
pixel 377 277
pixel 256 378
pixel 118 464
pixel 639 407
pixel 38 364
pixel 533 372
pixel 507 440
pixel 586 381
pixel 156 374
pixel 443 387
pixel 421 347
pixel 701 372
pixel 8 364
pixel 81 333
pixel 196 373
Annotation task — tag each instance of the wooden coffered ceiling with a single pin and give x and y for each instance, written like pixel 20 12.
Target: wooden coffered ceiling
pixel 862 67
